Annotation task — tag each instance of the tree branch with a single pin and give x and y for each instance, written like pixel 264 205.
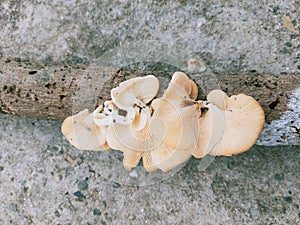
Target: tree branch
pixel 55 91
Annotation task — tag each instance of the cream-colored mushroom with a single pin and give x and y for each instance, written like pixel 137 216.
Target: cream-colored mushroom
pixel 168 131
pixel 142 144
pixel 211 128
pixel 169 136
pixel 244 121
pixel 166 158
pixel 134 140
pixel 110 113
pixel 137 91
pixel 81 131
pixel 179 113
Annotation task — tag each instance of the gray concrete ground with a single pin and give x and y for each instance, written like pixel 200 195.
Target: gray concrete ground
pixel 43 180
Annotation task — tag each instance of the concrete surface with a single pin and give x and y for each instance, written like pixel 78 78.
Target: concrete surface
pixel 43 180
pixel 232 35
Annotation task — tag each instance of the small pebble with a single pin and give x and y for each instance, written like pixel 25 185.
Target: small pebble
pixel 83 185
pixel 12 207
pixel 96 212
pixel 22 182
pixel 131 217
pixel 54 149
pixel 133 174
pixel 79 195
pixel 287 199
pixel 1 168
pixel 114 185
pixel 279 176
pixel 70 159
pixel 57 214
pixel 288 23
pixel 195 66
pixel 103 204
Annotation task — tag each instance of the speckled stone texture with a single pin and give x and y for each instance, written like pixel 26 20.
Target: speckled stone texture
pixel 43 180
pixel 233 35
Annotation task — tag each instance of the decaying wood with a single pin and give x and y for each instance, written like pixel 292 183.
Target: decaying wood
pixel 55 91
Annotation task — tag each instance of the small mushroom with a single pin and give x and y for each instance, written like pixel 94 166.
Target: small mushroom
pixel 136 91
pixel 140 120
pixel 244 121
pixel 81 131
pixel 110 113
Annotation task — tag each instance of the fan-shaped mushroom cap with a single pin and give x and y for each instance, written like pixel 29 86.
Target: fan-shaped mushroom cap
pixel 136 91
pixel 135 141
pixel 182 86
pixel 141 143
pixel 177 110
pixel 211 129
pixel 244 120
pixel 81 131
pixel 135 137
pixel 166 158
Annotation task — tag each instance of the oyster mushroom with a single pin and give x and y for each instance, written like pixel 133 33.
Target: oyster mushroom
pixel 142 144
pixel 176 113
pixel 81 131
pixel 211 129
pixel 165 132
pixel 165 139
pixel 135 143
pixel 132 96
pixel 135 92
pixel 177 110
pixel 244 121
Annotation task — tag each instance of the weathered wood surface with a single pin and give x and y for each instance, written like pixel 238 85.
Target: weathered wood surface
pixel 43 90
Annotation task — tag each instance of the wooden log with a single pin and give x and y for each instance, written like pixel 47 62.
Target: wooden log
pixel 55 91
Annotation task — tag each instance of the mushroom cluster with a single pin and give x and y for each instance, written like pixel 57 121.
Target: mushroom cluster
pixel 165 132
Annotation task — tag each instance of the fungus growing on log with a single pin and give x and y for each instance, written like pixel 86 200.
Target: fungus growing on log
pixel 165 132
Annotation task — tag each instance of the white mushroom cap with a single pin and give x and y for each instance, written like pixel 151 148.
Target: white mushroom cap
pixel 81 131
pixel 182 86
pixel 244 121
pixel 136 91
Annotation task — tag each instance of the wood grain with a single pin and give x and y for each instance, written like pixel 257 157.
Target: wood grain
pixel 55 91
